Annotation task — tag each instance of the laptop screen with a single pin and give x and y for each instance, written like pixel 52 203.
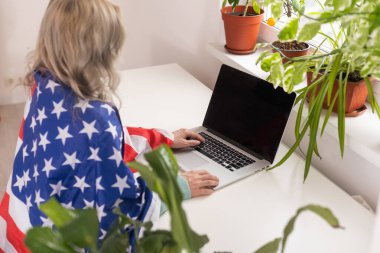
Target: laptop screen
pixel 248 112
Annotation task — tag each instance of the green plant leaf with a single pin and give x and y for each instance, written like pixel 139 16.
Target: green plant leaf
pixel 269 60
pixel 45 240
pixel 270 247
pixel 371 97
pixel 341 5
pixel 256 7
pixel 332 76
pixel 341 114
pixel 289 31
pixel 224 3
pixel 328 114
pixel 309 31
pixel 83 230
pixel 276 9
pixel 299 72
pixel 57 213
pixel 322 212
pixel 315 116
pixel 325 214
pixel 158 241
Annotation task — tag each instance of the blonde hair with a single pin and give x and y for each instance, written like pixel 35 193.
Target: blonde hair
pixel 78 42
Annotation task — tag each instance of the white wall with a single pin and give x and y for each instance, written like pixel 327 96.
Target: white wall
pixel 158 32
pixel 19 24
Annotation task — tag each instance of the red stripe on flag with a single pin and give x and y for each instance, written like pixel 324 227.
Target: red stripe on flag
pixel 21 133
pixel 153 136
pixel 1 251
pixel 14 235
pixel 129 155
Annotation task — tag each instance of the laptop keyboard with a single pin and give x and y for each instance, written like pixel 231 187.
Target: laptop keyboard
pixel 222 154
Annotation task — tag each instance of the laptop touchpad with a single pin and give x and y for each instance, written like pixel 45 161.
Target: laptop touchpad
pixel 190 160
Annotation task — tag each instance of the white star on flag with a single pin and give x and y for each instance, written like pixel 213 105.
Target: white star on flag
pixel 68 205
pixel 100 212
pixel 46 222
pixel 71 159
pixel 116 156
pixel 117 203
pixel 98 186
pixel 29 202
pixel 121 183
pixel 48 166
pixel 24 153
pixel 88 204
pixel 38 92
pixel 19 183
pixel 103 234
pixel 89 129
pixel 35 174
pixel 38 199
pixel 58 109
pixel 112 130
pixel 63 134
pixel 80 183
pixel 57 188
pixel 94 154
pixel 83 105
pixel 33 124
pixel 41 115
pixel 108 108
pixel 44 141
pixel 34 148
pixel 26 178
pixel 51 85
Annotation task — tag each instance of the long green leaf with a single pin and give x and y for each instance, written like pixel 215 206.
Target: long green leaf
pixel 322 212
pixel 328 114
pixel 332 76
pixel 371 97
pixel 341 114
pixel 314 126
pixel 270 247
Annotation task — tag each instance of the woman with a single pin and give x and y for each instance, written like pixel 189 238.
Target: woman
pixel 72 144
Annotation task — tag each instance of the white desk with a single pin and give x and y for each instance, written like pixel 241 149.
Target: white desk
pixel 244 216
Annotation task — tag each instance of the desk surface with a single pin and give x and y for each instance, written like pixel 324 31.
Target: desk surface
pixel 247 214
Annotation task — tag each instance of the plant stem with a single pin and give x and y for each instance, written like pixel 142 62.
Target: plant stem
pixel 246 8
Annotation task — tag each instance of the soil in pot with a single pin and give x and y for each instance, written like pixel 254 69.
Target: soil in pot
pixel 356 94
pixel 291 48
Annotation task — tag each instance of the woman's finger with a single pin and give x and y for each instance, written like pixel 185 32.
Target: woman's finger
pixel 193 135
pixel 208 184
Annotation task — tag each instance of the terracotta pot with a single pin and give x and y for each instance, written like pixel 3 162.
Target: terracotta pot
pixel 241 32
pixel 356 95
pixel 291 53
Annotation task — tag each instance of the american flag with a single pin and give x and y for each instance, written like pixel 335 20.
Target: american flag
pixel 74 150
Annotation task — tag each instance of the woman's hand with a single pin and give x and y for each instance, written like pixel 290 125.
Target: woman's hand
pixel 184 138
pixel 201 182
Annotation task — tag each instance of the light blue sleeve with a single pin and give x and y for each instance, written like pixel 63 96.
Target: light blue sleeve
pixel 185 189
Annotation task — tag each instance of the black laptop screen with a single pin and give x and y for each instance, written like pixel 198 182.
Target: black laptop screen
pixel 249 112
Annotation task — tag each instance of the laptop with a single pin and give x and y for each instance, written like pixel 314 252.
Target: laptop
pixel 243 127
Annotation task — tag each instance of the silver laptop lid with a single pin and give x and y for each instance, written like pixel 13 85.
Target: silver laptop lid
pixel 248 112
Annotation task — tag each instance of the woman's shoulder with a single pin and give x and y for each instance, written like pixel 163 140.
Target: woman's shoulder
pixel 55 105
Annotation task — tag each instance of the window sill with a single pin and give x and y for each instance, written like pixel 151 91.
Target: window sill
pixel 362 133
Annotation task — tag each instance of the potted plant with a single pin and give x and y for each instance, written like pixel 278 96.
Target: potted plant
pixel 292 48
pixel 354 53
pixel 241 25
